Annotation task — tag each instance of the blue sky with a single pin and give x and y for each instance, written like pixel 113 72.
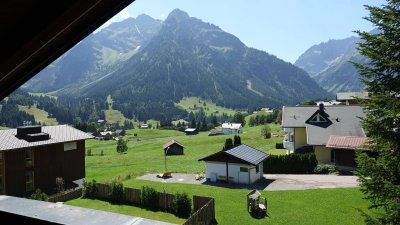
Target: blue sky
pixel 285 28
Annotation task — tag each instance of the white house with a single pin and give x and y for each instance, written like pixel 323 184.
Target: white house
pixel 232 128
pixel 242 164
pixel 144 126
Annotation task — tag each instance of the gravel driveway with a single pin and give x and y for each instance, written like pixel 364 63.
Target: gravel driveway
pixel 271 182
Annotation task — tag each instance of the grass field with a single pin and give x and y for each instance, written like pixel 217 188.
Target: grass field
pixel 39 115
pixel 145 155
pixel 209 107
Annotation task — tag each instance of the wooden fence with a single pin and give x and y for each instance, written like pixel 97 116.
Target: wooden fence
pixel 65 196
pixel 165 201
pixel 204 211
pixel 132 195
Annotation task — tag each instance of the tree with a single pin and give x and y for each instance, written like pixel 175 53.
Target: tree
pixel 238 117
pixel 121 146
pixel 236 140
pixel 266 131
pixel 228 144
pixel 379 174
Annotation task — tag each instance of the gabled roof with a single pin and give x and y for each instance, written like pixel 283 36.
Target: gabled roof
pixel 347 142
pixel 345 121
pixel 242 152
pixel 169 143
pixel 190 129
pixel 58 134
pixel 231 125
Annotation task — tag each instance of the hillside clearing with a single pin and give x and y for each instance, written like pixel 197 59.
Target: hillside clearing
pixel 194 104
pixel 39 115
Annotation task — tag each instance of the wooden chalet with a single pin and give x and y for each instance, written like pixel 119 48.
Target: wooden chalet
pixel 33 157
pixel 173 148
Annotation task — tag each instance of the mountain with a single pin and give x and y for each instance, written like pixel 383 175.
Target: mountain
pixel 97 55
pixel 329 64
pixel 185 56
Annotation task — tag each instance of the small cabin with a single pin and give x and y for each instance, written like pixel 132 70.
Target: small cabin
pixel 191 131
pixel 173 148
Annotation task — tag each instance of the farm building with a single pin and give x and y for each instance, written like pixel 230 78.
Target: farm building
pixel 33 157
pixel 242 164
pixel 232 128
pixel 191 131
pixel 173 148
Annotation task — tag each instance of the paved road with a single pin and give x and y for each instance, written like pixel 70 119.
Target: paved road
pixel 272 182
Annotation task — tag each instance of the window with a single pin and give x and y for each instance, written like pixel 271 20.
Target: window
pixel 244 169
pixel 70 146
pixel 1 173
pixel 29 180
pixel 257 168
pixel 28 157
pixel 318 119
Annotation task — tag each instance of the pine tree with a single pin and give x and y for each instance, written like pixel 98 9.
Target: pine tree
pixel 380 175
pixel 236 140
pixel 228 144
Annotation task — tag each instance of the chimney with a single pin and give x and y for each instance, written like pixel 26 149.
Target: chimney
pixel 321 107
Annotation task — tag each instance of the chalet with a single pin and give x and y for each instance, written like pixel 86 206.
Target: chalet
pixel 350 98
pixel 33 157
pixel 173 148
pixel 242 164
pixel 191 131
pixel 309 128
pixel 120 132
pixel 215 132
pixel 231 128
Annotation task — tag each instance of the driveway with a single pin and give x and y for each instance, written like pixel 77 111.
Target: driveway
pixel 302 182
pixel 270 182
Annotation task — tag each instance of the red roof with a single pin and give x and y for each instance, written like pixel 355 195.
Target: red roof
pixel 166 145
pixel 349 142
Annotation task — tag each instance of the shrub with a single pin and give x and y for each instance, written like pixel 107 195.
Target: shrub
pixel 89 189
pixel 279 145
pixel 102 152
pixel 325 169
pixel 149 198
pixel 89 152
pixel 292 163
pixel 117 192
pixel 39 195
pixel 266 132
pixel 182 205
pixel 60 184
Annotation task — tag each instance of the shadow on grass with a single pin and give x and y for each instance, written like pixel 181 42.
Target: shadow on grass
pixel 259 185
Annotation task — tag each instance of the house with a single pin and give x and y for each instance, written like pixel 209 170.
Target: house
pixel 231 128
pixel 242 164
pixel 101 122
pixel 120 132
pixel 310 128
pixel 173 148
pixel 215 132
pixel 106 135
pixel 329 103
pixel 33 157
pixel 191 131
pixel 144 126
pixel 349 98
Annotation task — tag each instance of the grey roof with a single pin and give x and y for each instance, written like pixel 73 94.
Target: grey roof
pixel 345 122
pixel 248 154
pixel 66 214
pixel 350 95
pixel 58 134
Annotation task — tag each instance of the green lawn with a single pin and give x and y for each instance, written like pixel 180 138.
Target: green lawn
pixel 209 107
pixel 145 155
pixel 39 115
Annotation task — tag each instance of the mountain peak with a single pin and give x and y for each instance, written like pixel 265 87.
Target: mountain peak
pixel 144 18
pixel 178 14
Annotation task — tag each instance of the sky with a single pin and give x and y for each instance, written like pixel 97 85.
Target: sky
pixel 284 28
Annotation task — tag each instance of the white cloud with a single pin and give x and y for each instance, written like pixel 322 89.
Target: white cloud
pixel 124 14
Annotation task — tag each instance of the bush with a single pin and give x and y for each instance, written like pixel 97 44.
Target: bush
pixel 60 184
pixel 39 195
pixel 182 205
pixel 89 189
pixel 292 163
pixel 149 198
pixel 117 192
pixel 325 169
pixel 89 152
pixel 279 146
pixel 266 132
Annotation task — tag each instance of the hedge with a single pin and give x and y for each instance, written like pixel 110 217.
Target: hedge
pixel 291 164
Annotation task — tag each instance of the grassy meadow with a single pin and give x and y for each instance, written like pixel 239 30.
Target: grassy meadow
pixel 145 155
pixel 188 103
pixel 39 115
